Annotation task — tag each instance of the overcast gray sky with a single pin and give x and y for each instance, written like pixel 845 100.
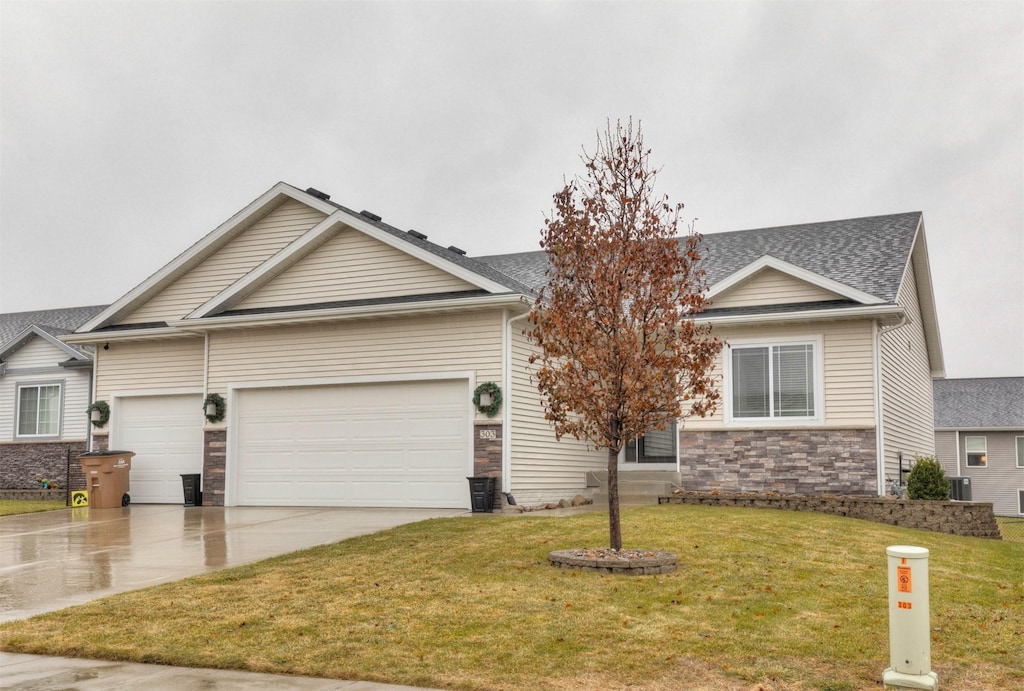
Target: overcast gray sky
pixel 130 130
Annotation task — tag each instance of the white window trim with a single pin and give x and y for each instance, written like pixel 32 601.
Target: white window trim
pixel 1017 441
pixel 967 454
pixel 59 383
pixel 819 382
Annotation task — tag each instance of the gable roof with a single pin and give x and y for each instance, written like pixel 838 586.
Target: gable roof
pixel 16 328
pixel 449 259
pixel 866 255
pixel 987 403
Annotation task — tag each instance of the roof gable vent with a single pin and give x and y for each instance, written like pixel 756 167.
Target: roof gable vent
pixel 417 234
pixel 317 193
pixel 456 250
pixel 370 215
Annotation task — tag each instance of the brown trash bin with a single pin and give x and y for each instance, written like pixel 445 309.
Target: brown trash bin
pixel 106 477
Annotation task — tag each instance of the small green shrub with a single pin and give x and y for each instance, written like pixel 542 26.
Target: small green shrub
pixel 927 480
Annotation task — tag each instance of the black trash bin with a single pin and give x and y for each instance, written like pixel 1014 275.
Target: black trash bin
pixel 481 494
pixel 190 484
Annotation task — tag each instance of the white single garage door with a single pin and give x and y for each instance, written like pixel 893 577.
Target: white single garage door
pixel 395 444
pixel 166 434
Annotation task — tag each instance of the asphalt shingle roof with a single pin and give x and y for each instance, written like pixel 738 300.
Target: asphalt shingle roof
pixel 979 403
pixel 55 322
pixel 869 254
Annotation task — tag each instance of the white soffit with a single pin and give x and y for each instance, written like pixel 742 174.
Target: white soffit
pixel 770 262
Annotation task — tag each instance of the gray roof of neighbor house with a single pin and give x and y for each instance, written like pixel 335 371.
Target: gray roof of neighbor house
pixel 55 322
pixel 979 403
pixel 869 254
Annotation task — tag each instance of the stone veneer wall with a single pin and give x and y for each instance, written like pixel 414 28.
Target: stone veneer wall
pixel 22 463
pixel 487 457
pixel 214 461
pixel 801 461
pixel 955 518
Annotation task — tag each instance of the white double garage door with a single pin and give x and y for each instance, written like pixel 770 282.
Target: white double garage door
pixel 395 444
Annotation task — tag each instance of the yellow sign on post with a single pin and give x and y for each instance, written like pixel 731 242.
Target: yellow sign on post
pixel 79 497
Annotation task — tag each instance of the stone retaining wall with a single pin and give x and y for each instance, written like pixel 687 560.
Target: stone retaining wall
pixel 23 463
pixel 956 518
pixel 34 494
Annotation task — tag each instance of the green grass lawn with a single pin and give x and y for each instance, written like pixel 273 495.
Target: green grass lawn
pixel 783 599
pixel 10 507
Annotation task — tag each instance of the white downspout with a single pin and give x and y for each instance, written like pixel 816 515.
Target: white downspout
pixel 506 413
pixel 879 397
pixel 957 440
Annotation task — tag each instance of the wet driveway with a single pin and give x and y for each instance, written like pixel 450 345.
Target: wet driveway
pixel 56 559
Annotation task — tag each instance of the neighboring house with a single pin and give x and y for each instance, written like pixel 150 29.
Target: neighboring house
pixel 45 389
pixel 979 434
pixel 348 352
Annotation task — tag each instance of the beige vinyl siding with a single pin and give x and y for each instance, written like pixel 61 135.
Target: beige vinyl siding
pixel 848 370
pixel 908 422
pixel 771 287
pixel 172 363
pixel 37 362
pixel 352 266
pixel 538 461
pixel 239 256
pixel 429 344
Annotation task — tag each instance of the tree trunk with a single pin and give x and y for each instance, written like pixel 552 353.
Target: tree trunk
pixel 614 526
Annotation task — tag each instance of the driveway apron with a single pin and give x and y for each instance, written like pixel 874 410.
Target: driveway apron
pixel 52 560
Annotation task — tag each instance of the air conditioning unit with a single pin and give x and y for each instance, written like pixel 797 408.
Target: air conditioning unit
pixel 960 488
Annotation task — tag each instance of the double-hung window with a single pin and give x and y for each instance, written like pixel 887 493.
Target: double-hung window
pixel 1020 452
pixel 977 452
pixel 775 381
pixel 39 410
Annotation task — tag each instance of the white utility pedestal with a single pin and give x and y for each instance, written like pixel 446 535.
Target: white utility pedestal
pixel 910 645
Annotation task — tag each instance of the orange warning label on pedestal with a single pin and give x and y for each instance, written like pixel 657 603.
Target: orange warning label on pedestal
pixel 903 582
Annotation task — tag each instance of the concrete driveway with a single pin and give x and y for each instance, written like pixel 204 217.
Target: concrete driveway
pixel 52 560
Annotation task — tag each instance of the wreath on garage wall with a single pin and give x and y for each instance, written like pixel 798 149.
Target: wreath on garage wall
pixel 492 390
pixel 219 407
pixel 103 408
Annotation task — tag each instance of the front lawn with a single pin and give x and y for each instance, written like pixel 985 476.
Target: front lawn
pixel 10 507
pixel 789 600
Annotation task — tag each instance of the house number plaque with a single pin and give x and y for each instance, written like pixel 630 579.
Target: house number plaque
pixel 488 434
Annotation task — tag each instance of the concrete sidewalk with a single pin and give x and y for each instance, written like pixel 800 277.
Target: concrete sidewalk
pixel 58 673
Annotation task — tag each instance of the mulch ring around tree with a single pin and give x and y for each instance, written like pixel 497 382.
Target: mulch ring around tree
pixel 629 562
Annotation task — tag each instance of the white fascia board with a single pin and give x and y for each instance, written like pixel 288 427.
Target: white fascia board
pixel 968 430
pixel 196 252
pixel 926 300
pixel 770 262
pixel 342 313
pixel 31 331
pixel 893 312
pixel 97 337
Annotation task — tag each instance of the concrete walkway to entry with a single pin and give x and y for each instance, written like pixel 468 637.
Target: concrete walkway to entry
pixel 53 560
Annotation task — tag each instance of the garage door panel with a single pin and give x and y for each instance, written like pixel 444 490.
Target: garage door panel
pixel 395 444
pixel 166 435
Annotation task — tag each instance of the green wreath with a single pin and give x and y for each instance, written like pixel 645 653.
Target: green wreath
pixel 218 401
pixel 495 393
pixel 104 410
